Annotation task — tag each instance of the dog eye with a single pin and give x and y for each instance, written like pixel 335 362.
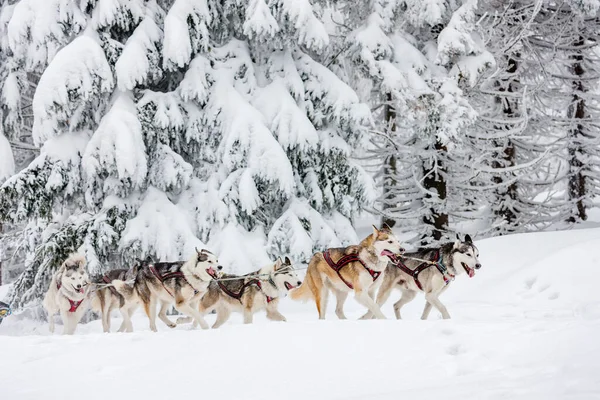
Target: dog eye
pixel 390 241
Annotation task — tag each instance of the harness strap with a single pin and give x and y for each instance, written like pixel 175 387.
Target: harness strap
pixel 237 296
pixel 269 298
pixel 74 304
pixel 169 275
pixel 414 273
pixel 347 259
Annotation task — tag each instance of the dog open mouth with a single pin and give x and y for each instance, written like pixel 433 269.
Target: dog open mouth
pixel 470 271
pixel 211 271
pixel 80 290
pixel 392 256
pixel 289 286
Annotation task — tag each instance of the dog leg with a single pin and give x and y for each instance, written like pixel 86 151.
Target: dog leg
pixel 363 298
pixel 322 302
pixel 248 316
pixel 407 297
pixel 340 299
pixel 106 310
pixel 426 310
pixel 432 298
pixel 150 308
pixel 162 314
pixel 184 320
pixel 185 308
pixel 382 295
pixel 223 314
pixel 274 315
pixel 68 325
pixel 51 320
pixel 428 306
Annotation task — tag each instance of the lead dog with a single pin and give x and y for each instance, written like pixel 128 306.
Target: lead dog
pixel 248 294
pixel 403 273
pixel 68 293
pixel 355 269
pixel 179 283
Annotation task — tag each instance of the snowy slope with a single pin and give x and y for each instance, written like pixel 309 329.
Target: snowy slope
pixel 525 327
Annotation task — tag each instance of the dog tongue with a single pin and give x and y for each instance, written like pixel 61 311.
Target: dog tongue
pixel 471 272
pixel 211 271
pixel 386 252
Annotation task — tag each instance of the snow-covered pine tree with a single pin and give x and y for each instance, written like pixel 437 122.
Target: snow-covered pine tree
pixel 167 125
pixel 418 58
pixel 512 164
pixel 565 41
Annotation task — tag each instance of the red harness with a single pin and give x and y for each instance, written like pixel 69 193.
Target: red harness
pixel 74 304
pixel 347 259
pixel 414 273
pixel 169 275
pixel 238 296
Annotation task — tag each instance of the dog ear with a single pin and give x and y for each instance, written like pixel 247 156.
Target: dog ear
pixel 277 263
pixel 288 261
pixel 375 231
pixel 456 244
pixel 468 239
pixel 457 236
pixel 386 228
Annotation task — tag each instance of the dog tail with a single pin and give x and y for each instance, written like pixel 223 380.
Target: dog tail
pixel 304 292
pixel 125 289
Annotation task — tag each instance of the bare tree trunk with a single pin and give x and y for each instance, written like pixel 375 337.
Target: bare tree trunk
pixel 435 182
pixel 1 255
pixel 509 108
pixel 390 167
pixel 577 181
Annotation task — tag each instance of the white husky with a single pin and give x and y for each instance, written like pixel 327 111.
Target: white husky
pixel 68 293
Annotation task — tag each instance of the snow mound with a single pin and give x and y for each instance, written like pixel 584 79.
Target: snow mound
pixel 524 327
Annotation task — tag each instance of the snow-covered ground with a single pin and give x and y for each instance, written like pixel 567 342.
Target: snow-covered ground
pixel 525 327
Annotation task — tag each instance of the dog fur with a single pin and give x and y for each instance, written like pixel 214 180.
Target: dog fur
pixel 458 257
pixel 182 291
pixel 70 282
pixel 253 299
pixel 320 277
pixel 105 299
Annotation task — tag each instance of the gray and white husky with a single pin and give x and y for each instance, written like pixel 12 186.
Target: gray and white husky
pixel 248 294
pixel 412 276
pixel 68 293
pixel 105 298
pixel 172 283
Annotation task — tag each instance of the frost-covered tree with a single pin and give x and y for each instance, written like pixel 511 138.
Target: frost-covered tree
pixel 565 40
pixel 419 59
pixel 167 125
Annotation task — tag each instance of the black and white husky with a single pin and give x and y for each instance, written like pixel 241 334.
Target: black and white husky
pixel 68 293
pixel 429 271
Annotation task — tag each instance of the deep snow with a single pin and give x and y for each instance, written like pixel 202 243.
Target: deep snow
pixel 525 327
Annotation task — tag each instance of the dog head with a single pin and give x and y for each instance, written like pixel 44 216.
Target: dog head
pixel 465 256
pixel 73 274
pixel 205 265
pixel 385 242
pixel 284 275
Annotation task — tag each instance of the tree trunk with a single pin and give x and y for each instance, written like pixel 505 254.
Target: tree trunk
pixel 1 255
pixel 510 108
pixel 576 135
pixel 435 182
pixel 390 167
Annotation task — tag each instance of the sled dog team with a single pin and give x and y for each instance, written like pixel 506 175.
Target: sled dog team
pixel 197 286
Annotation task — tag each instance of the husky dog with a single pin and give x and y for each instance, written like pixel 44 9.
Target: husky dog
pixel 106 298
pixel 179 283
pixel 68 293
pixel 353 268
pixel 456 258
pixel 259 290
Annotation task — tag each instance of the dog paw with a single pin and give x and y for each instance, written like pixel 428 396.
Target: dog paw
pixel 172 325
